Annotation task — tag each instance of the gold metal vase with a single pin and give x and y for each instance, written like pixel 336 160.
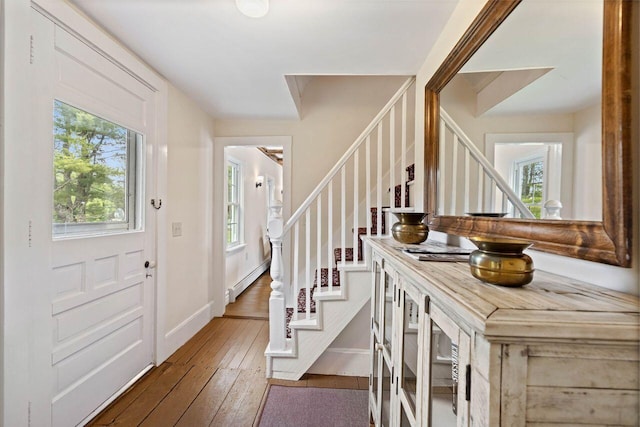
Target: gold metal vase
pixel 501 261
pixel 410 229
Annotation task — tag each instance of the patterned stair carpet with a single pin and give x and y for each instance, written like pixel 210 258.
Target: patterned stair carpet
pixel 324 272
pixel 302 295
pixel 309 406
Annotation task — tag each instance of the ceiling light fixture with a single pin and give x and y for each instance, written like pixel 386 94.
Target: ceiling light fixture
pixel 253 8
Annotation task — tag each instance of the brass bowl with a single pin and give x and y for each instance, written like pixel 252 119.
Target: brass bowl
pixel 500 245
pixel 410 229
pixel 501 261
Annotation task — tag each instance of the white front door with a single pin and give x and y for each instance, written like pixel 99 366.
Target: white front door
pixel 94 122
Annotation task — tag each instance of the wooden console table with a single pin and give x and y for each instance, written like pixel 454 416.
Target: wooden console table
pixel 556 351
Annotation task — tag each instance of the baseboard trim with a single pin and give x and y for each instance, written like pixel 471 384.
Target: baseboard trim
pixel 342 361
pixel 179 335
pixel 243 284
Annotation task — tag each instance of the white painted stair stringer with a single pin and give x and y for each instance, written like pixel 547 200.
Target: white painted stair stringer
pixel 336 315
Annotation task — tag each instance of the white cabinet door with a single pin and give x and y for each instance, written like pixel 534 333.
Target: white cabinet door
pixel 448 396
pixel 410 355
pixel 97 310
pixel 382 387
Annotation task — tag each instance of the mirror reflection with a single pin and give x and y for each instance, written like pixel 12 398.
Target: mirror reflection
pixel 521 122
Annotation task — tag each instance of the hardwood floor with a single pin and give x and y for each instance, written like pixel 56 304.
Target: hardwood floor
pixel 253 303
pixel 216 379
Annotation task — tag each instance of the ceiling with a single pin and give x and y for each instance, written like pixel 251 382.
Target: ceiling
pixel 234 66
pixel 564 48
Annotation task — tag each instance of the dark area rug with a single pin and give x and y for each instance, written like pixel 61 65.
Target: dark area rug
pixel 314 407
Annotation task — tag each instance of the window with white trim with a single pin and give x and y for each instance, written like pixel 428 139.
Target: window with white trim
pixel 530 183
pixel 96 171
pixel 234 203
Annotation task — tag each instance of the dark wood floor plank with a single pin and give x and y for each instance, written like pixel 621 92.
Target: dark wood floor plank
pixel 253 400
pixel 218 349
pixel 239 350
pixel 255 359
pixel 178 400
pixel 205 407
pixel 152 396
pixel 363 383
pixel 190 348
pixel 240 407
pixel 253 302
pixel 288 383
pixel 332 381
pixel 109 414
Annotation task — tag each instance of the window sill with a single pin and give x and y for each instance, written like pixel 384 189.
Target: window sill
pixel 236 248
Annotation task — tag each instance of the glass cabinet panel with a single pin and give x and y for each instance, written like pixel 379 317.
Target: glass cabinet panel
pixel 388 311
pixel 404 420
pixel 375 302
pixel 386 396
pixel 410 351
pixel 443 373
pixel 449 359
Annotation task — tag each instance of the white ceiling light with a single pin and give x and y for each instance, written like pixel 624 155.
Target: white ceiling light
pixel 253 8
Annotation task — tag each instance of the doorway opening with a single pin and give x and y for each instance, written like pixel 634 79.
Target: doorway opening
pixel 256 175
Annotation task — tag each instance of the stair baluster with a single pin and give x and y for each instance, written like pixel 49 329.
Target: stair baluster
pixel 277 303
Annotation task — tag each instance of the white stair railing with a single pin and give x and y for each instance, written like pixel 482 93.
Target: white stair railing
pixel 488 180
pixel 326 217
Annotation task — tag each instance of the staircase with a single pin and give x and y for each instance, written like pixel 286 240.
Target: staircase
pixel 320 270
pixel 319 267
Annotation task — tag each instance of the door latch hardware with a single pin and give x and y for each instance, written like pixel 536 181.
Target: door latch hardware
pixel 148 265
pixel 156 205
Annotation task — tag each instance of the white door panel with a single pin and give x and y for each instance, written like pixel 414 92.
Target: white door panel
pixel 101 299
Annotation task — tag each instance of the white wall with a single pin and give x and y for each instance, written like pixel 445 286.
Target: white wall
pixel 458 100
pixel 14 294
pixel 622 279
pixel 335 111
pixel 242 262
pixel 189 203
pixel 587 194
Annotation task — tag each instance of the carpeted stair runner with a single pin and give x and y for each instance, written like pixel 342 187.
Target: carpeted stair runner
pixel 398 188
pixel 302 294
pixel 348 252
pixel 348 255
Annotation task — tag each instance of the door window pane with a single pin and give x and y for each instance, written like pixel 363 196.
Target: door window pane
pixel 95 173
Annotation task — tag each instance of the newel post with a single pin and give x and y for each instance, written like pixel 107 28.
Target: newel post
pixel 277 303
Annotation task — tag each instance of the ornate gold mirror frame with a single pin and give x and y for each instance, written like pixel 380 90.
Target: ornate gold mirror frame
pixel 607 241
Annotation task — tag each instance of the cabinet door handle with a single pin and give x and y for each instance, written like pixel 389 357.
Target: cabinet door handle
pixel 379 347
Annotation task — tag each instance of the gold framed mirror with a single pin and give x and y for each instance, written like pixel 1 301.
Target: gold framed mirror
pixel 607 241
